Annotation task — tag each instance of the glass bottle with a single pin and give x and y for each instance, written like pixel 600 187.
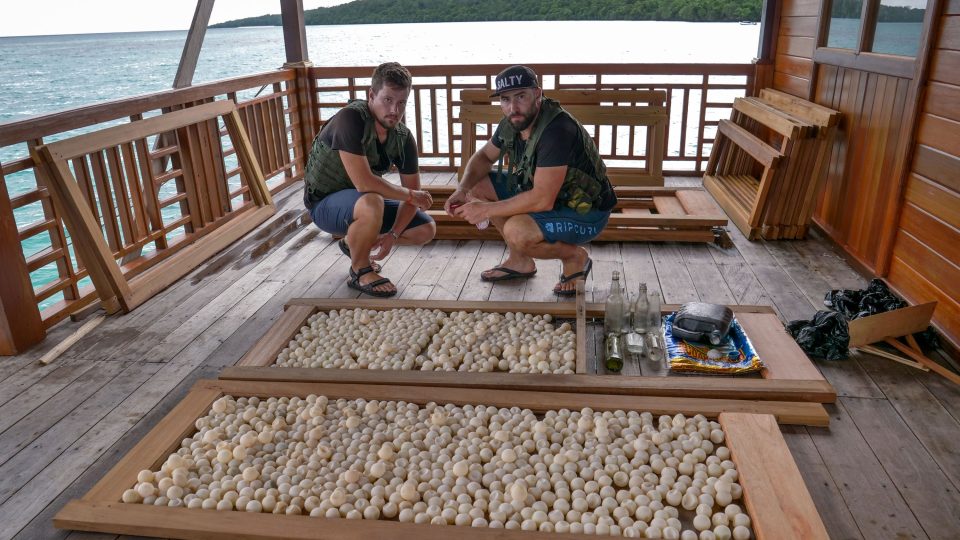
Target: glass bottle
pixel 641 311
pixel 613 357
pixel 653 313
pixel 613 308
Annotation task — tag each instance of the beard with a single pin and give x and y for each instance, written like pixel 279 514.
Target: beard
pixel 386 123
pixel 524 122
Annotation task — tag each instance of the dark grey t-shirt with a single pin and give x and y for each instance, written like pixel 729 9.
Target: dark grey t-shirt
pixel 345 132
pixel 559 144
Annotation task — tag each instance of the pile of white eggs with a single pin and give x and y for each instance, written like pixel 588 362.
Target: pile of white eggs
pixel 430 340
pixel 363 339
pixel 608 473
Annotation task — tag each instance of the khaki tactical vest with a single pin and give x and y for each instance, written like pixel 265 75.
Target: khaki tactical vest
pixel 325 173
pixel 581 190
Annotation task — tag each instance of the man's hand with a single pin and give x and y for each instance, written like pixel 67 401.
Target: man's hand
pixel 474 211
pixel 382 247
pixel 421 199
pixel 456 198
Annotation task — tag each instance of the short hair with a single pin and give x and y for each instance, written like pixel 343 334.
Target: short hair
pixel 391 73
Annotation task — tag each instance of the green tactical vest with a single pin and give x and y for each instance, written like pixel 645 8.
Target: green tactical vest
pixel 580 190
pixel 325 173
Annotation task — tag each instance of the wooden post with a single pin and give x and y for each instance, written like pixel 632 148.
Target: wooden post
pixel 191 49
pixel 20 323
pixel 769 28
pixel 294 32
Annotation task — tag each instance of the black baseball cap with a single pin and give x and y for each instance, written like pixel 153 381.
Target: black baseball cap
pixel 515 78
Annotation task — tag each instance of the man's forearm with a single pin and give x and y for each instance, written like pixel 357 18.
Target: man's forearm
pixel 523 203
pixel 477 169
pixel 406 211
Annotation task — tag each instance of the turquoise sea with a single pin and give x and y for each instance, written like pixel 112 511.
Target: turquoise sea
pixel 44 74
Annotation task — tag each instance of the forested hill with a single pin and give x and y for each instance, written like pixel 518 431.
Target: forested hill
pixel 412 11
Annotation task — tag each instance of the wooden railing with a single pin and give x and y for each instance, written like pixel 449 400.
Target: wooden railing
pixel 270 109
pixel 698 96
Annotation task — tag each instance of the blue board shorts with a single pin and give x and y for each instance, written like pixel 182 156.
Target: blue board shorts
pixel 334 213
pixel 560 224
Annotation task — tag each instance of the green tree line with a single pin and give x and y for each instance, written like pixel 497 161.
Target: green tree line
pixel 851 9
pixel 414 11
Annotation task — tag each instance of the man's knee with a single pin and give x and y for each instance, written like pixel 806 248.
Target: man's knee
pixel 421 234
pixel 368 206
pixel 522 232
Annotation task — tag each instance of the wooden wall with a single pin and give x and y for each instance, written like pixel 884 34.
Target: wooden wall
pixel 925 263
pixel 793 60
pixel 859 187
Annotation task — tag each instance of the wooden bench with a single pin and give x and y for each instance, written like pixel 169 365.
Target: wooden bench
pixel 594 109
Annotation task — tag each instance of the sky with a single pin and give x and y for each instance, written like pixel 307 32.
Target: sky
pixel 46 17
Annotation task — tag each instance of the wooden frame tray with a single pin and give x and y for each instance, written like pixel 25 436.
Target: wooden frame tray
pixel 774 492
pixel 789 375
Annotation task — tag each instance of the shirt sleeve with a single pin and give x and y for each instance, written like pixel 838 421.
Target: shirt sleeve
pixel 557 143
pixel 344 132
pixel 411 163
pixel 496 140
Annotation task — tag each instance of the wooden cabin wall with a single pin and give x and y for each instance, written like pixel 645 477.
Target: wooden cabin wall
pixel 793 60
pixel 859 190
pixel 925 263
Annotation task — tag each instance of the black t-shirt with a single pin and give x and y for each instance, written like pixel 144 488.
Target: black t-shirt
pixel 559 144
pixel 345 132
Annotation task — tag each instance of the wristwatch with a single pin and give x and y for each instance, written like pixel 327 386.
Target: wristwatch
pixel 394 234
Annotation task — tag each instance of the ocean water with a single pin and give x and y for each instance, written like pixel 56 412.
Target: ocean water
pixel 43 74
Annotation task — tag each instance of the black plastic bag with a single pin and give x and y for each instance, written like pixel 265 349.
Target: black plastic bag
pixel 876 298
pixel 826 336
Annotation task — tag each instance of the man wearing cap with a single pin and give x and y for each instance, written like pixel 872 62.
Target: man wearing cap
pixel 344 187
pixel 553 196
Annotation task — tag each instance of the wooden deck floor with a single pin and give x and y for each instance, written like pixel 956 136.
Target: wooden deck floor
pixel 888 466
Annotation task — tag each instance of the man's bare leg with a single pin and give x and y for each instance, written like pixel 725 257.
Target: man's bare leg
pixel 524 237
pixel 515 260
pixel 362 234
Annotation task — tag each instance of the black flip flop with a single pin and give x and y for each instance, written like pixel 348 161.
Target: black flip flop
pixel 576 275
pixel 368 288
pixel 508 273
pixel 345 249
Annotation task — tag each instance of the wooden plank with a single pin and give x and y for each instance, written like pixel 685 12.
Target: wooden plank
pixel 113 136
pixel 581 327
pixel 772 344
pixel 265 352
pixel 899 322
pixel 940 237
pixel 89 245
pixel 162 275
pixel 773 488
pixel 854 467
pixel 793 390
pixel 757 149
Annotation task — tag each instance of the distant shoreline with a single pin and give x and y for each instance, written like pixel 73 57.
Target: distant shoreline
pixel 448 11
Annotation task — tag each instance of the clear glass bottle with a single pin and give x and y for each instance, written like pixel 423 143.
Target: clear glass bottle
pixel 613 357
pixel 653 313
pixel 613 308
pixel 641 311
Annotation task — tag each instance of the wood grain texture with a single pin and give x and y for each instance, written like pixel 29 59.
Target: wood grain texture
pixel 773 488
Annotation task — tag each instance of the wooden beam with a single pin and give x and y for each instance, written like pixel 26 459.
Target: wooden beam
pixel 693 386
pixel 20 323
pixel 769 26
pixel 774 491
pixel 294 31
pixel 191 47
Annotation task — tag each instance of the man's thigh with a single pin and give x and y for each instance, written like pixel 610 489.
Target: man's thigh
pixel 334 213
pixel 568 226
